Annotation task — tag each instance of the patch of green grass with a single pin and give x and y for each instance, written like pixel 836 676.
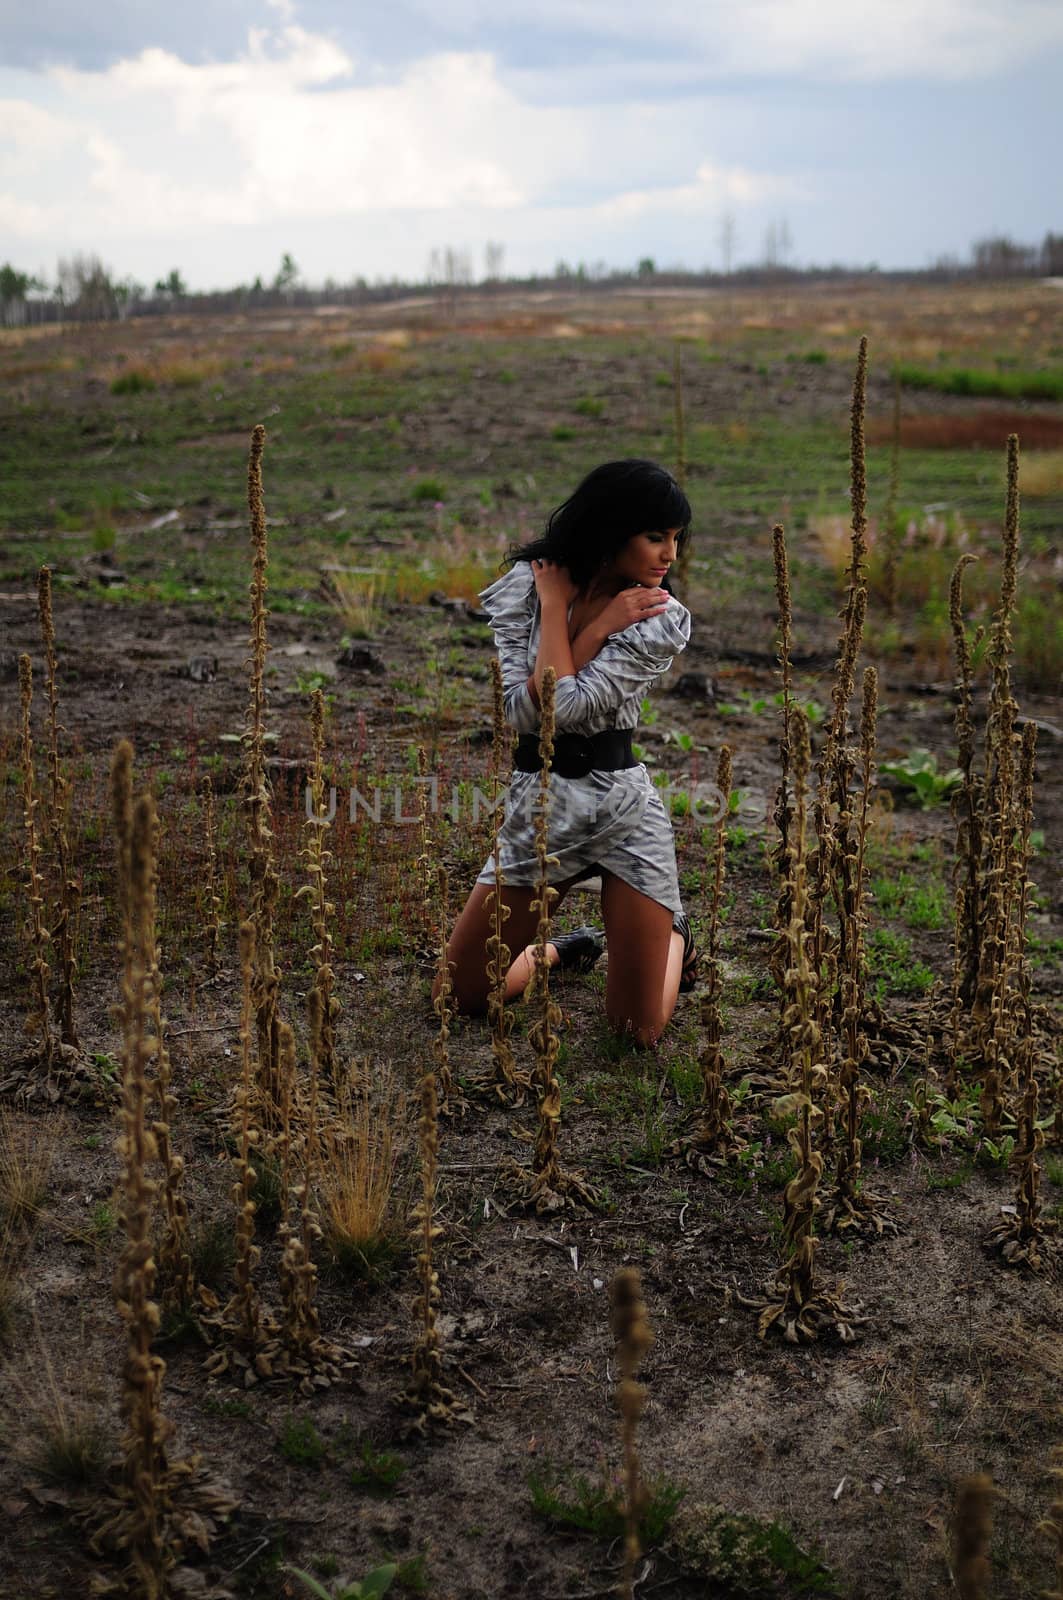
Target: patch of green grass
pixel 300 1443
pixel 104 1222
pixel 562 432
pixel 135 381
pixel 374 1584
pixel 953 1178
pixel 213 1251
pixel 232 1407
pixel 589 406
pixel 884 1134
pixel 429 489
pixel 266 1191
pixel 894 967
pixel 1011 385
pixel 922 905
pixel 749 1557
pixel 568 1499
pixel 376 1471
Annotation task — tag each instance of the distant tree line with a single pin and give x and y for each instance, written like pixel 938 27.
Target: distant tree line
pixel 85 290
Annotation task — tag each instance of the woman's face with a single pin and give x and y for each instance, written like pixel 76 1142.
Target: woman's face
pixel 647 556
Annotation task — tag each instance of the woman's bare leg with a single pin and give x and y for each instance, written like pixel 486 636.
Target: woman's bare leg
pixel 467 946
pixel 645 961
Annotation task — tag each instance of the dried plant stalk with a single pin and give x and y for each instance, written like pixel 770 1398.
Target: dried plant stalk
pixel 175 1260
pixel 712 1134
pixel 311 1358
pixel 510 1081
pixel 966 807
pixel 830 956
pixel 1053 1523
pixel 243 1318
pixel 322 910
pixel 428 1397
pixel 1021 1237
pixel 991 1041
pixel 852 1207
pixel 499 741
pixel 146 1475
pixel 803 1311
pixel 783 795
pixel 631 1331
pixel 158 1504
pixel 548 1185
pixel 263 877
pixel 64 933
pixel 441 1003
pixel 972 1529
pixel 39 1020
pixel 425 863
pixel 213 924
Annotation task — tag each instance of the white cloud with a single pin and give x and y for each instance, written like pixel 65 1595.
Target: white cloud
pixel 863 40
pixel 288 131
pixel 712 188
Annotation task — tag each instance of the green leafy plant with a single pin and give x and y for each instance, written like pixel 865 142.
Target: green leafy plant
pixel 596 1506
pixel 917 774
pixel 892 964
pixel 300 1443
pixel 377 1471
pixel 374 1583
pixel 748 1557
pixel 307 682
pixel 430 489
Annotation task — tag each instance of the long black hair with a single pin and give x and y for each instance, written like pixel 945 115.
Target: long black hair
pixel 613 503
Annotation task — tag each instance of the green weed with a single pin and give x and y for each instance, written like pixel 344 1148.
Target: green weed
pixel 1014 385
pixel 375 1583
pixel 376 1471
pixel 749 1557
pixel 570 1500
pixel 916 775
pixel 891 963
pixel 300 1443
pixel 429 489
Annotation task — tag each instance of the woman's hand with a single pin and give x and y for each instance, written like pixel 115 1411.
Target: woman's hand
pixel 630 606
pixel 553 583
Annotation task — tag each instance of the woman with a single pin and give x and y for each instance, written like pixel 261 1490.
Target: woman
pixel 590 599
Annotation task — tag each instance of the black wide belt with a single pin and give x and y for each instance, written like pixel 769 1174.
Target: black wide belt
pixel 576 754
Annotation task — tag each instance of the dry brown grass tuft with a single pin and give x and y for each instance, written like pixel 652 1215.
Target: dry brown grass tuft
pixel 356 598
pixel 27 1150
pixel 56 1425
pixel 356 1189
pixel 1042 475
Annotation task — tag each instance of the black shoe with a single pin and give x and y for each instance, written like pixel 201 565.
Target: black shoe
pixel 578 951
pixel 691 954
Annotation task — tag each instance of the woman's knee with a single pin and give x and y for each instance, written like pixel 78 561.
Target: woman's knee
pixel 468 992
pixel 642 1032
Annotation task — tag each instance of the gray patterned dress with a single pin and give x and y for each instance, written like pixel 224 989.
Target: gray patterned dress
pixel 608 820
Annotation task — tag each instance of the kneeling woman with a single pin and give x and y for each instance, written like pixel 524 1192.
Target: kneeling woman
pixel 590 599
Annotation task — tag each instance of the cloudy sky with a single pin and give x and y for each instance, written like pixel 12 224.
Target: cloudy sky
pixel 212 135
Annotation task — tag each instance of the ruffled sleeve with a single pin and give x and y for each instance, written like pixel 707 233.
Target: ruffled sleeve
pixel 624 668
pixel 510 604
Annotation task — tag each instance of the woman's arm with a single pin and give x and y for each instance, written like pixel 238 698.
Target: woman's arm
pixel 556 593
pixel 624 669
